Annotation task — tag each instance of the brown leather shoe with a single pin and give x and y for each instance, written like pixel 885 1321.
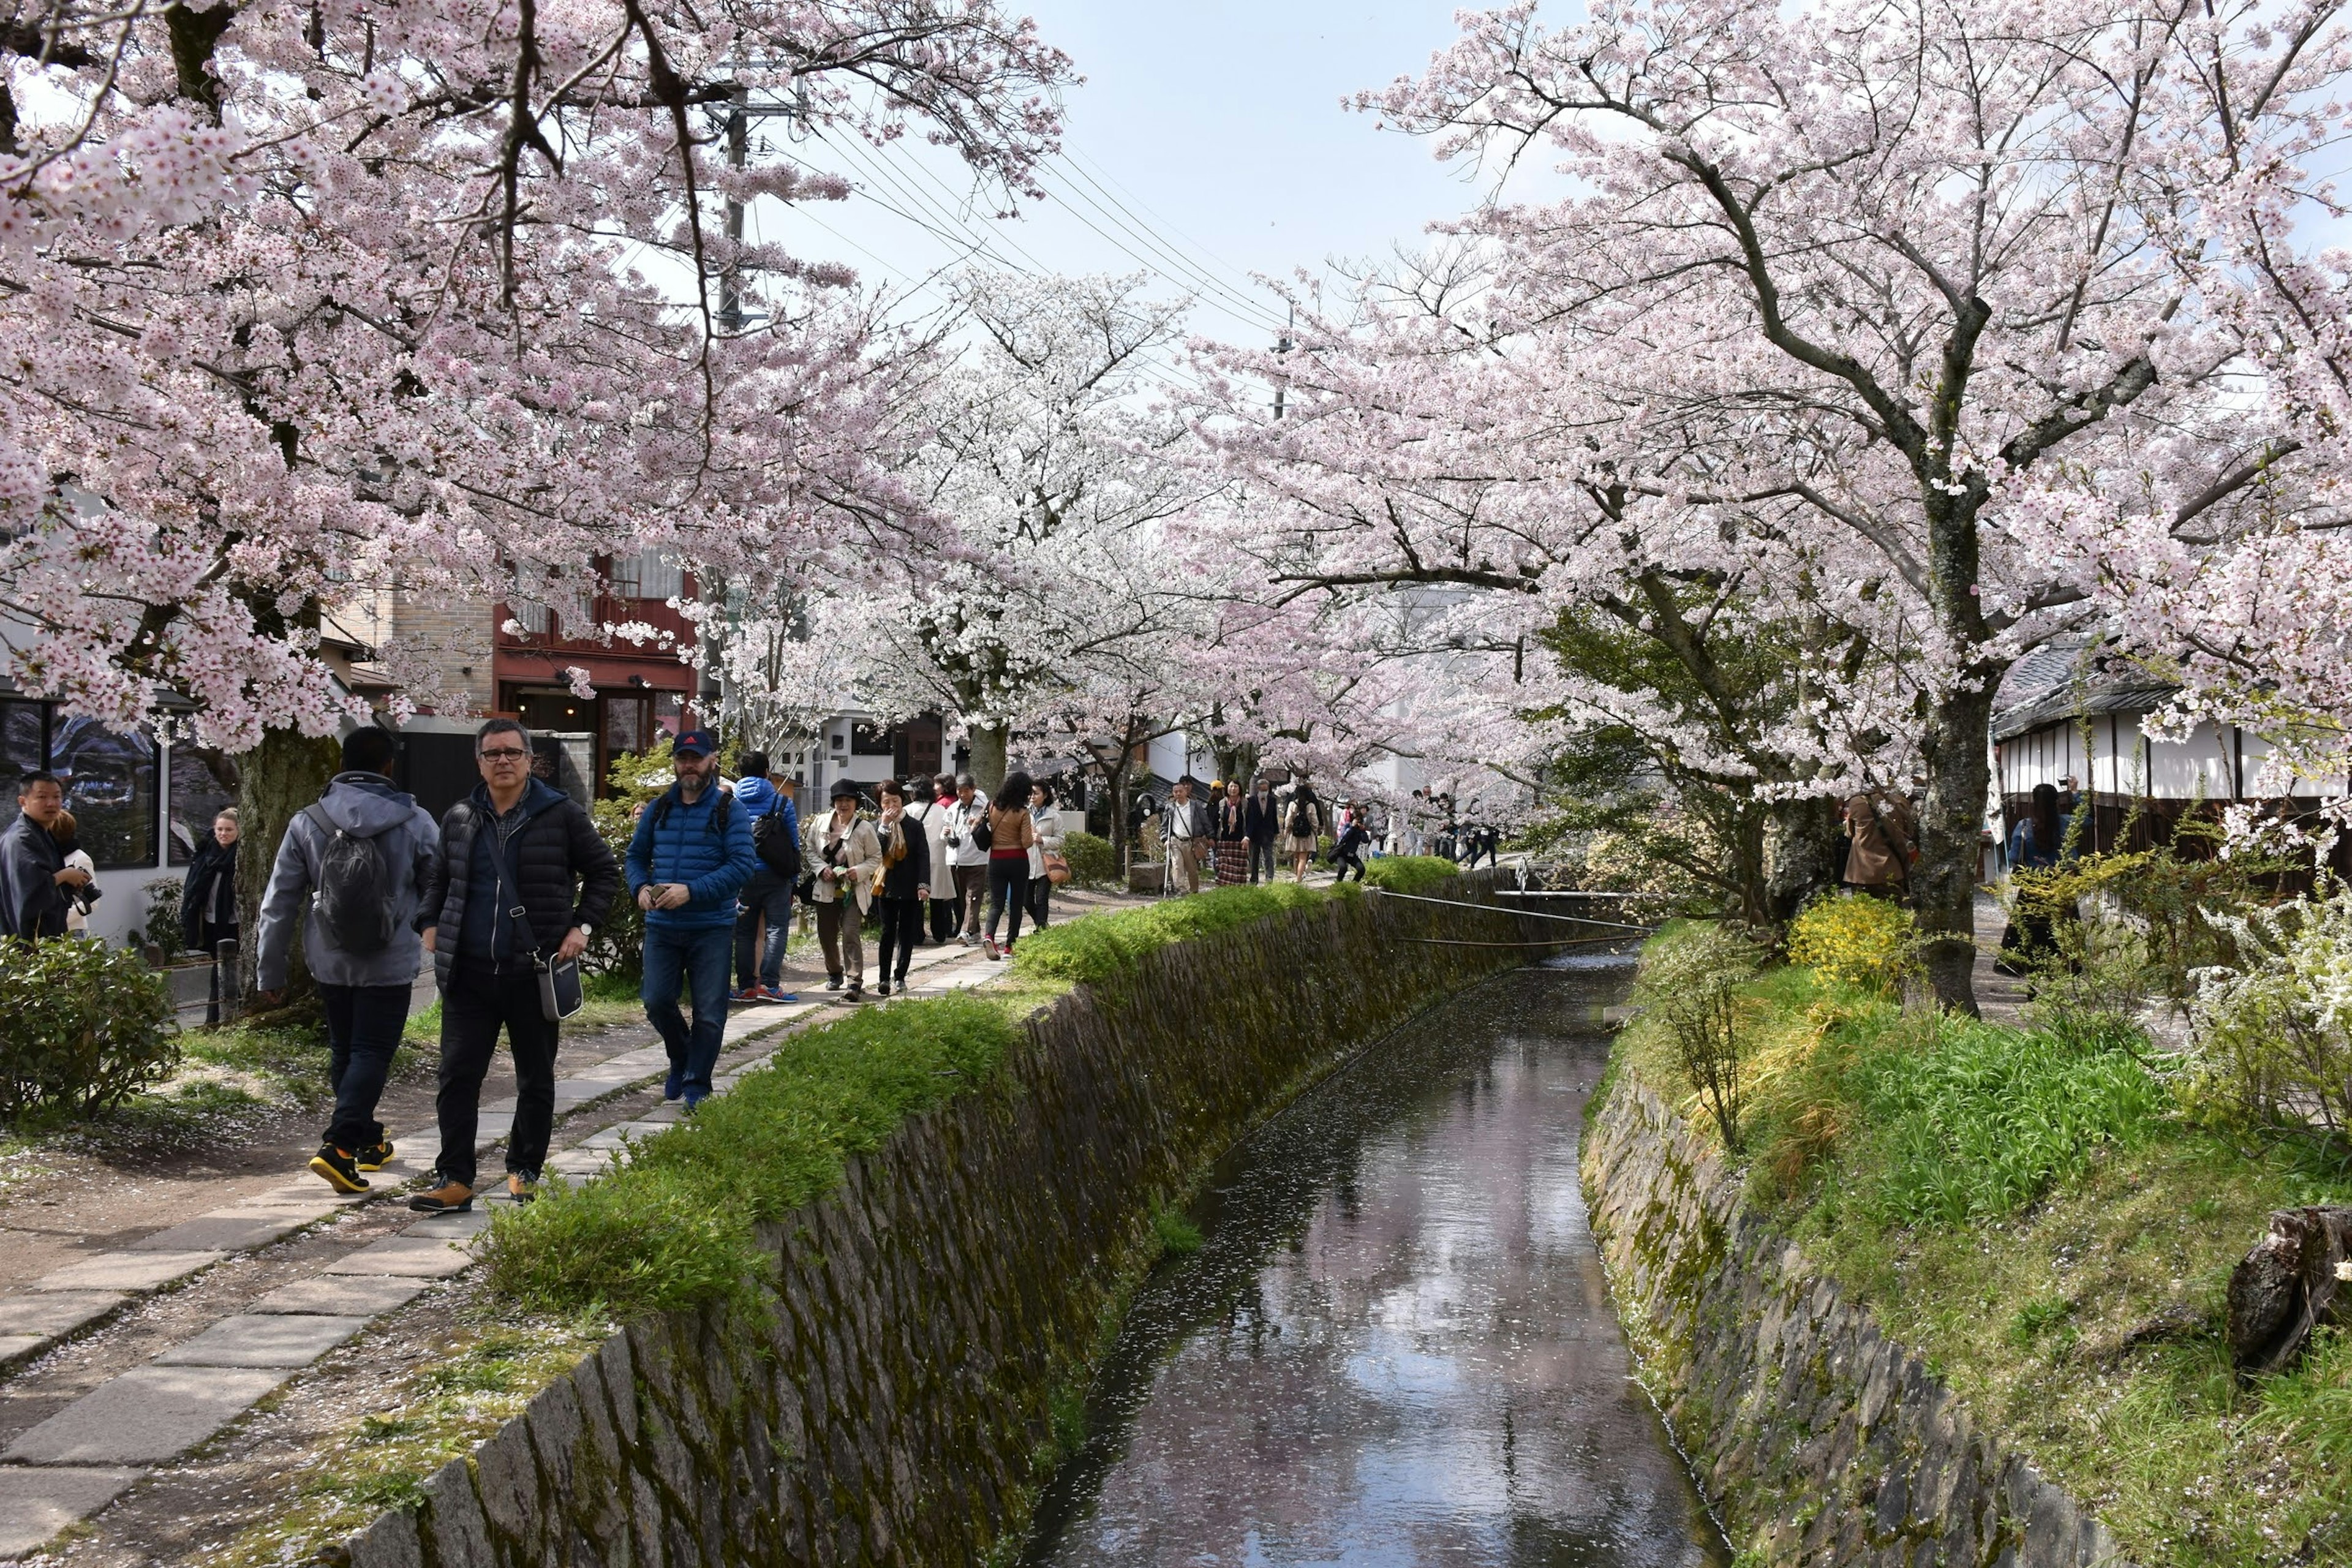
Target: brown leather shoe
pixel 520 1188
pixel 453 1197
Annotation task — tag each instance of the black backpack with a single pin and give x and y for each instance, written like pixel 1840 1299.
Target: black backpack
pixel 1302 820
pixel 354 897
pixel 776 848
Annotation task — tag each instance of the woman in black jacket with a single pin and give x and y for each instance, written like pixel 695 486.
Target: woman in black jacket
pixel 904 883
pixel 208 902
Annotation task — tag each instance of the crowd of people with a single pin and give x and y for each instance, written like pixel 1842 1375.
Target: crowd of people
pixel 508 889
pixel 1230 835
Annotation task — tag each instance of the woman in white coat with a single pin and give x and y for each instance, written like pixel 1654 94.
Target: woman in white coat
pixel 843 850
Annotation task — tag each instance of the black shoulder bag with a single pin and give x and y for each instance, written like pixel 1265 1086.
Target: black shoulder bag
pixel 560 993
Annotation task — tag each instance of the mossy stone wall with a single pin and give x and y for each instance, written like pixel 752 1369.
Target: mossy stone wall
pixel 1819 1441
pixel 895 1407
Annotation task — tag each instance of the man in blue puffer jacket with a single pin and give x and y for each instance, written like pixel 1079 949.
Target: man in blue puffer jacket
pixel 690 856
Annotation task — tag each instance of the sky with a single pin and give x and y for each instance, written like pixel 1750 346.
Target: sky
pixel 1207 141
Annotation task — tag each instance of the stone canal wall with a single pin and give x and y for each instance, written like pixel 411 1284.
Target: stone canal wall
pixel 896 1402
pixel 1820 1441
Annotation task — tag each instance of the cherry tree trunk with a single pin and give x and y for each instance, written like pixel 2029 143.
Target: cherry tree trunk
pixel 990 743
pixel 1944 882
pixel 276 780
pixel 2291 1284
pixel 1803 847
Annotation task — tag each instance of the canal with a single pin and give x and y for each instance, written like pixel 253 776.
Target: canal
pixel 1396 1346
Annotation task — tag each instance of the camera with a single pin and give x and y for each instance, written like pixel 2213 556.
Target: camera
pixel 84 896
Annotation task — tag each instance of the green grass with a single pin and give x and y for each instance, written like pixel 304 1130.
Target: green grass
pixel 1107 946
pixel 1179 1236
pixel 486 1369
pixel 673 1227
pixel 1422 874
pixel 2043 1225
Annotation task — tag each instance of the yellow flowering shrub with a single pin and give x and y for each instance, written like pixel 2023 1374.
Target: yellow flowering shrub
pixel 1853 939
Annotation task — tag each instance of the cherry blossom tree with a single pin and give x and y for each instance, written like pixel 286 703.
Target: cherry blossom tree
pixel 1959 326
pixel 1046 456
pixel 308 300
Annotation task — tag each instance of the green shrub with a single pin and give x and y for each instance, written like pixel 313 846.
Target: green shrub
pixel 1692 982
pixel 2274 1031
pixel 1091 861
pixel 673 1227
pixel 1853 939
pixel 87 1026
pixel 1411 873
pixel 1102 947
pixel 1984 1119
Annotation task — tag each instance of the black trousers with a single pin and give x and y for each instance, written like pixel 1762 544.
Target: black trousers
pixel 1041 899
pixel 902 933
pixel 943 917
pixel 476 1003
pixel 1261 853
pixel 1352 855
pixel 364 1025
pixel 214 936
pixel 1008 888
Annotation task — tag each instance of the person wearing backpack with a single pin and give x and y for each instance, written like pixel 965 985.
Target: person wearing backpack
pixel 521 881
pixel 690 855
pixel 776 840
pixel 1302 829
pixel 351 872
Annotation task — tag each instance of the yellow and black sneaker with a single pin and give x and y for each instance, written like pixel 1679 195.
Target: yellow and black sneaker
pixel 338 1168
pixel 374 1159
pixel 450 1197
pixel 522 1186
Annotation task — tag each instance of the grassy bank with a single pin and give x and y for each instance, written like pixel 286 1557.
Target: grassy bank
pixel 673 1227
pixel 2036 1215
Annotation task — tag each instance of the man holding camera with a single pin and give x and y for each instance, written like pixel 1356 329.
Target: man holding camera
pixel 36 884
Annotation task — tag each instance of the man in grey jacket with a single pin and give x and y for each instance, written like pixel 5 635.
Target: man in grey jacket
pixel 364 980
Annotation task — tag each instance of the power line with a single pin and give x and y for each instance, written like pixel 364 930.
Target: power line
pixel 1249 310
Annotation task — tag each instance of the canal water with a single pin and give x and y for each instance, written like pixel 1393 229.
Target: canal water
pixel 1396 1346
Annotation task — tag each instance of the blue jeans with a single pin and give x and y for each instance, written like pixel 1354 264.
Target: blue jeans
pixel 765 894
pixel 698 959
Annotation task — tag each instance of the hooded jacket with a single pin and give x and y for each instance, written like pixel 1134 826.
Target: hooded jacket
pixel 31 902
pixel 366 805
pixel 759 798
pixel 552 846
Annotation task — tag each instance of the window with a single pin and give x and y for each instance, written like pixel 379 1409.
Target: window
pixel 24 747
pixel 109 779
pixel 624 724
pixel 646 575
pixel 203 781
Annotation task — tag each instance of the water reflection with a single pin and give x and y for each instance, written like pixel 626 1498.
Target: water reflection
pixel 1397 1346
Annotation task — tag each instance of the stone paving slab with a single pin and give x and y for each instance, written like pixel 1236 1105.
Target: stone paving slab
pixel 223 1232
pixel 148 1414
pixel 35 1504
pixel 410 1257
pixel 341 1295
pixel 262 1339
pixel 126 1271
pixel 15 1346
pixel 57 1311
pixel 459 1227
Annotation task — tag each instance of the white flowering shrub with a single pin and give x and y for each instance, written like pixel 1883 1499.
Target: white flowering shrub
pixel 2273 1032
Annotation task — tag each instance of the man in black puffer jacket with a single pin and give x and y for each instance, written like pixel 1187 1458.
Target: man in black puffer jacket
pixel 517 841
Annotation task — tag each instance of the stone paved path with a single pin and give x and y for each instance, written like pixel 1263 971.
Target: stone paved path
pixel 74 1461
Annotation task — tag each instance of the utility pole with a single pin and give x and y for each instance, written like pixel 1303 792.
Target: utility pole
pixel 1283 345
pixel 739 151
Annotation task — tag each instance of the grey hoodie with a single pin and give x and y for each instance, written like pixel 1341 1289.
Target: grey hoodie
pixel 364 804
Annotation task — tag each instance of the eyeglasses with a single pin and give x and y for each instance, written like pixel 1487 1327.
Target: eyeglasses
pixel 506 754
